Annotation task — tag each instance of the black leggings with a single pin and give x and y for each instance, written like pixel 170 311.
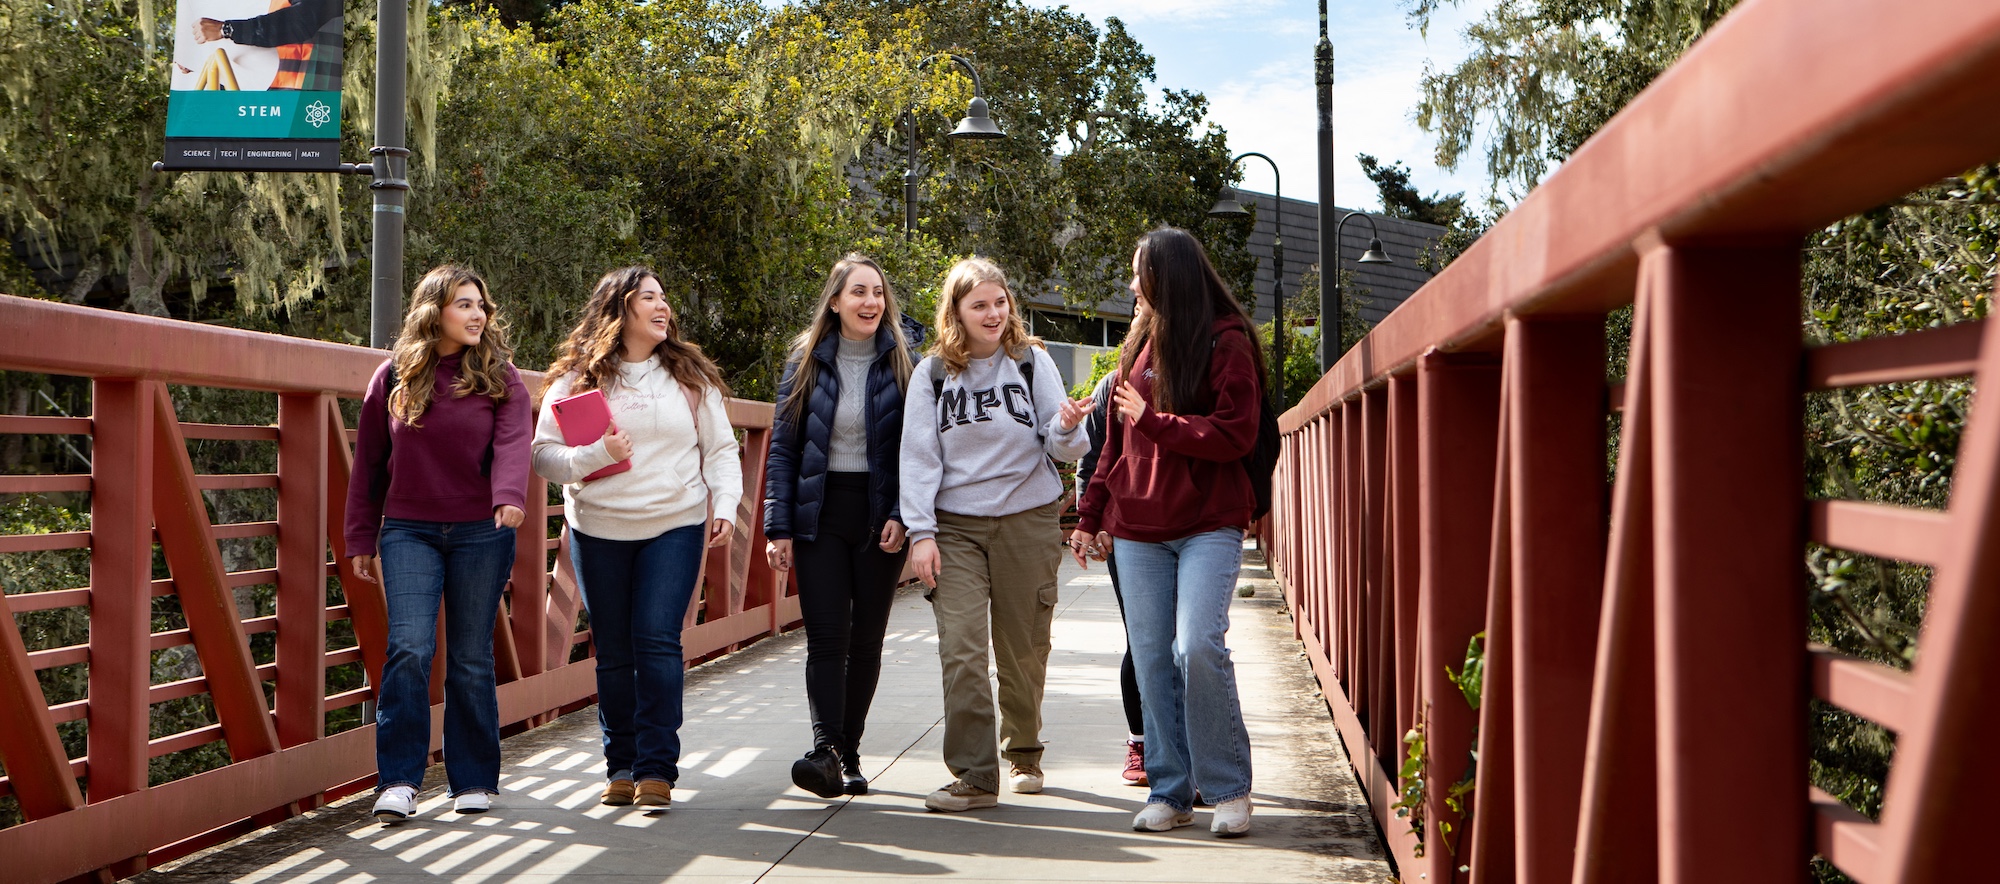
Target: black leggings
pixel 1128 678
pixel 846 586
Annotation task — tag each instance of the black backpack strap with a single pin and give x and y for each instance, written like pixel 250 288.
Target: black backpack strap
pixel 1028 374
pixel 937 378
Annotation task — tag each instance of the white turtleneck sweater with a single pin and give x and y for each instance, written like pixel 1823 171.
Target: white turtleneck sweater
pixel 670 482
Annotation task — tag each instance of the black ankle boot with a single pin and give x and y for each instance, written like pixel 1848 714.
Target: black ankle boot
pixel 819 772
pixel 850 775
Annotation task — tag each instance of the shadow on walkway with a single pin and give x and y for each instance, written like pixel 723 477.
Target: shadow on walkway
pixel 736 816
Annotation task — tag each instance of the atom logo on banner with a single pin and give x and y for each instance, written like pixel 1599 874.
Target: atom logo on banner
pixel 318 114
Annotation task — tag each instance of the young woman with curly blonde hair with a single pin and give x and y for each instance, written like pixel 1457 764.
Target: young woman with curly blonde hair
pixel 440 478
pixel 637 537
pixel 985 413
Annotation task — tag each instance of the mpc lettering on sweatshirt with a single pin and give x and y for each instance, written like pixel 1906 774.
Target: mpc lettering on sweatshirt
pixel 972 448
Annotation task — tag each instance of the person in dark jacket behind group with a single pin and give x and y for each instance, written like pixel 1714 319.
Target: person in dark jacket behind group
pixel 830 505
pixel 1172 491
pixel 1100 545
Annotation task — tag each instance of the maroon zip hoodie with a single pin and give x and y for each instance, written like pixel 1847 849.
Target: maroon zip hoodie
pixel 1177 475
pixel 469 457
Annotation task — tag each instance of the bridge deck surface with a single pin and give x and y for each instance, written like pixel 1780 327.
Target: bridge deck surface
pixel 736 816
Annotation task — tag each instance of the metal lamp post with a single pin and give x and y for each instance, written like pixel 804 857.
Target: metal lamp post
pixel 977 125
pixel 1372 255
pixel 1226 206
pixel 1328 249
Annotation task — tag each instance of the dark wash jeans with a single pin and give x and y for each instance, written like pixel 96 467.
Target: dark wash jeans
pixel 637 592
pixel 465 566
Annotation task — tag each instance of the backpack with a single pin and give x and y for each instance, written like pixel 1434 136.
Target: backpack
pixel 1262 461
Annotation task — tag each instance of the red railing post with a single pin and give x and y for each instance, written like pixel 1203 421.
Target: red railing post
pixel 1457 425
pixel 1729 533
pixel 1404 558
pixel 1556 436
pixel 302 549
pixel 1617 816
pixel 121 589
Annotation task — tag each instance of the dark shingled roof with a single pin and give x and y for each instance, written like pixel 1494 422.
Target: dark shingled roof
pixel 1383 286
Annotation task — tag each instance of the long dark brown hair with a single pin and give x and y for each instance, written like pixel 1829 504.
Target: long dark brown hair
pixel 592 348
pixel 1184 296
pixel 483 371
pixel 826 322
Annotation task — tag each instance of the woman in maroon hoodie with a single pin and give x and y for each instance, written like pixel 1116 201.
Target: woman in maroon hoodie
pixel 1172 492
pixel 440 477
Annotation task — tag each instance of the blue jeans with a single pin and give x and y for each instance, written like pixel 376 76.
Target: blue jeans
pixel 637 593
pixel 464 565
pixel 1176 611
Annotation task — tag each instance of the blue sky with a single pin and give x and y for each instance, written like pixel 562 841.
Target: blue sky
pixel 1254 61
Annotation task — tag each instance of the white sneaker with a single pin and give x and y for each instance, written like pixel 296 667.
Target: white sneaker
pixel 1025 778
pixel 473 802
pixel 395 804
pixel 1160 818
pixel 1232 818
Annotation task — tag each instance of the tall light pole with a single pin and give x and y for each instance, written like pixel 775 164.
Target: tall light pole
pixel 977 125
pixel 1226 206
pixel 1329 249
pixel 1372 255
pixel 389 159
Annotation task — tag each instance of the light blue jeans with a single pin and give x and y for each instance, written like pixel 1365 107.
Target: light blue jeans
pixel 1176 611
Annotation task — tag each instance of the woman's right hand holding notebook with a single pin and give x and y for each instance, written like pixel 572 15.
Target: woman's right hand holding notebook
pixel 616 443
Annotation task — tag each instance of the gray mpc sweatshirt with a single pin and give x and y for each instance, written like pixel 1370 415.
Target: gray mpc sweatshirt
pixel 974 450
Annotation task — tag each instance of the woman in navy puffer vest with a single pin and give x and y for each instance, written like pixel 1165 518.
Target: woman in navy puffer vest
pixel 830 504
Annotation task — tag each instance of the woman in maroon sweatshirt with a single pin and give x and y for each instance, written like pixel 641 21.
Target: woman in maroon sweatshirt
pixel 440 477
pixel 1172 492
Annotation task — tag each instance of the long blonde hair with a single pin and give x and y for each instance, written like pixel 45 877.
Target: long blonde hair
pixel 484 369
pixel 826 322
pixel 592 348
pixel 966 275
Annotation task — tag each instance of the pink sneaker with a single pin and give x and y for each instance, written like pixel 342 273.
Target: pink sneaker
pixel 1135 763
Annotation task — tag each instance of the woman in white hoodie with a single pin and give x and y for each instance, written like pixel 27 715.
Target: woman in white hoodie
pixel 637 537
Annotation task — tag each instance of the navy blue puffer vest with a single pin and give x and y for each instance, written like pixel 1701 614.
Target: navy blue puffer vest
pixel 795 472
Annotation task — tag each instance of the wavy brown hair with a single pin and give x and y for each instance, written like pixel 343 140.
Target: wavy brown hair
pixel 826 322
pixel 592 348
pixel 1184 297
pixel 484 369
pixel 966 275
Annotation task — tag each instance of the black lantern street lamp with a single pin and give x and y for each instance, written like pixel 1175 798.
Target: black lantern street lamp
pixel 1226 206
pixel 977 125
pixel 1372 255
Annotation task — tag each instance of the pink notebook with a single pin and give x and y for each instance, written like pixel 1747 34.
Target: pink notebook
pixel 583 418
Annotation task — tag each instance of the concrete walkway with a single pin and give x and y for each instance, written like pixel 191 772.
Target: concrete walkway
pixel 736 817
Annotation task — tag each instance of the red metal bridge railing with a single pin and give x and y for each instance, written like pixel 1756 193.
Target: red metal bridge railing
pixel 144 492
pixel 1647 675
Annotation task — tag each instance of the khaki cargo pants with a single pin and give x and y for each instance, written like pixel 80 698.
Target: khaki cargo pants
pixel 997 583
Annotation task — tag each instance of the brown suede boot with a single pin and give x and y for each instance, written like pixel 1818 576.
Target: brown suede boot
pixel 655 793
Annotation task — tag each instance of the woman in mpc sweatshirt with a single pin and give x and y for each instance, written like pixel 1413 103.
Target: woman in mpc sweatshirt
pixel 985 414
pixel 440 476
pixel 637 537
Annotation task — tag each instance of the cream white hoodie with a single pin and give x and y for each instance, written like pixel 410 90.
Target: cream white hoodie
pixel 670 481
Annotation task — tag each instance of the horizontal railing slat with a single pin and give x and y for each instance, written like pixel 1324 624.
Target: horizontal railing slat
pixel 1870 690
pixel 1846 838
pixel 11 543
pixel 1890 532
pixel 41 425
pixel 1945 352
pixel 43 484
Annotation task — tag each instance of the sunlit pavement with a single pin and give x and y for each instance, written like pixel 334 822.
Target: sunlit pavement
pixel 736 816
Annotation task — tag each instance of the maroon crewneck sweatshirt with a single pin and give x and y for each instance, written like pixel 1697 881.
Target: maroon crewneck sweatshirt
pixel 469 457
